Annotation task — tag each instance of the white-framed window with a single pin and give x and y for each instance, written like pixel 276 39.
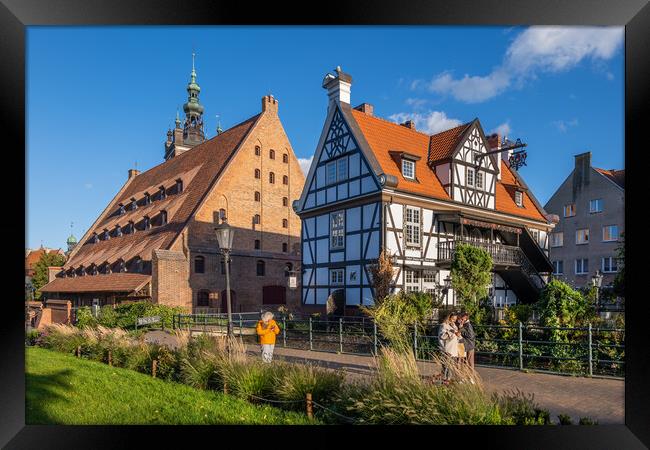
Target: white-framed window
pixel 470 177
pixel 570 210
pixel 519 198
pixel 609 264
pixel 408 169
pixel 582 236
pixel 610 233
pixel 337 229
pixel 336 171
pixel 337 276
pixel 596 205
pixel 428 277
pixel 411 280
pixel 558 267
pixel 557 239
pixel 412 226
pixel 479 179
pixel 582 266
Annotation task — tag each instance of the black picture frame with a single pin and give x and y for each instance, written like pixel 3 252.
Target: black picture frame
pixel 15 15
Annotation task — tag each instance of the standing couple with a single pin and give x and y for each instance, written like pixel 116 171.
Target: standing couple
pixel 457 340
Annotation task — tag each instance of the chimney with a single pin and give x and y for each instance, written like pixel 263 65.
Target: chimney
pixel 581 171
pixel 409 124
pixel 338 86
pixel 365 108
pixel 52 271
pixel 133 173
pixel 270 104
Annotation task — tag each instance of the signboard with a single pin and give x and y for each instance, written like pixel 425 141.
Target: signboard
pixel 293 282
pixel 146 320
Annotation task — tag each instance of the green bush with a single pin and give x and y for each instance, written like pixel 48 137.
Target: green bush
pixel 587 421
pixel 32 337
pixel 85 318
pixel 521 409
pixel 565 419
pixel 107 316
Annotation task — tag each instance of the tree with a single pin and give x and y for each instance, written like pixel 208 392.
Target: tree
pixel 471 273
pixel 562 306
pixel 40 269
pixel 382 276
pixel 619 281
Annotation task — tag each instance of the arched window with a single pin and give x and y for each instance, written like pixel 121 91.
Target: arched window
pixel 285 158
pixel 199 264
pixel 285 179
pixel 260 268
pixel 284 247
pixel 203 298
pixel 258 150
pixel 222 214
pixel 285 201
pixel 163 217
pixel 256 219
pixel 257 244
pixel 272 154
pixel 257 173
pixel 257 196
pixel 285 223
pixel 271 177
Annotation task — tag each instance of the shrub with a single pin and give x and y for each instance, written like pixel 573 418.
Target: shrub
pixel 32 337
pixel 587 421
pixel 565 419
pixel 62 338
pixel 201 372
pixel 107 316
pixel 521 409
pixel 247 380
pixel 471 272
pixel 85 318
pixel 296 380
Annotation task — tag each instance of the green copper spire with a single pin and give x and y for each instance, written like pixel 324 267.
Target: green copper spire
pixel 193 132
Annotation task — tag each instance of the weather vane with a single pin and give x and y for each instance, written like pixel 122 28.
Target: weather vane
pixel 516 160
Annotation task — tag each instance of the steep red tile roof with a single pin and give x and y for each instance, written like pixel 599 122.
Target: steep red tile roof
pixel 384 136
pixel 442 145
pixel 112 282
pixel 617 176
pixel 197 167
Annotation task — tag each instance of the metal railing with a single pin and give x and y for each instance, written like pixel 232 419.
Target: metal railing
pixel 501 254
pixel 577 351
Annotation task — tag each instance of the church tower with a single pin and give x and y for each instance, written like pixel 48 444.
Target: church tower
pixel 192 132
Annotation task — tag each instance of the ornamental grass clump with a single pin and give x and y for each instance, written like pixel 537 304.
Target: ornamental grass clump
pixel 248 380
pixel 201 371
pixel 519 408
pixel 293 384
pixel 62 338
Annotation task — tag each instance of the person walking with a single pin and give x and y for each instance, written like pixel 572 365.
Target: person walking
pixel 469 338
pixel 448 341
pixel 267 329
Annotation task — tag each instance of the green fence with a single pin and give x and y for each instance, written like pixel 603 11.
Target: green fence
pixel 577 351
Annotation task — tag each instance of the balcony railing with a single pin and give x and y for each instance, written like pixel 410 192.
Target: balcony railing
pixel 502 255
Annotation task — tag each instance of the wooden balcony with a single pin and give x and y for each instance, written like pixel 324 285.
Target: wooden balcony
pixel 502 255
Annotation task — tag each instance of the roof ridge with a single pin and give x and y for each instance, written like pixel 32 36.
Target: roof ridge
pixel 391 123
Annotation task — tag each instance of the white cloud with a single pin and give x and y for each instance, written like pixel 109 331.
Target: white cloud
pixel 416 103
pixel 431 122
pixel 88 185
pixel 563 125
pixel 305 163
pixel 503 129
pixel 535 50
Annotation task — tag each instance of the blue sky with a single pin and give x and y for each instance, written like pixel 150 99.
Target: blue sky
pixel 100 99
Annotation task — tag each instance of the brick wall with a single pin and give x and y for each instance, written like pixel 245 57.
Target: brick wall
pixel 169 285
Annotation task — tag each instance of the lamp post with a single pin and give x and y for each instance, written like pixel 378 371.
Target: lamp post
pixel 446 288
pixel 225 234
pixel 597 281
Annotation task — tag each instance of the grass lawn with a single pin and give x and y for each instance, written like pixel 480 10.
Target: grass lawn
pixel 63 389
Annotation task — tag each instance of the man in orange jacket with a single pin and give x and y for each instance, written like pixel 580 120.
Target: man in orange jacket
pixel 267 329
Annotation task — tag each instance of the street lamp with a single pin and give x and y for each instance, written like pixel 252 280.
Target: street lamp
pixel 597 281
pixel 225 234
pixel 446 288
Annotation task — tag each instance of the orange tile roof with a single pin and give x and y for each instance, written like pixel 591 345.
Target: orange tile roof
pixel 384 136
pixel 197 167
pixel 112 282
pixel 617 176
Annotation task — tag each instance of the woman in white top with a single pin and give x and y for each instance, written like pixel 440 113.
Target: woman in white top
pixel 448 335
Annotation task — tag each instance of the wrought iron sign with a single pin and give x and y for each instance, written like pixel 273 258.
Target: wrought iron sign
pixel 516 160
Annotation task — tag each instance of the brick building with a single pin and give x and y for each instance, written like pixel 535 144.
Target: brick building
pixel 155 240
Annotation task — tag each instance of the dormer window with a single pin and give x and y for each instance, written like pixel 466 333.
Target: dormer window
pixel 147 198
pixel 179 186
pixel 163 217
pixel 134 204
pixel 94 238
pixel 107 235
pixel 408 169
pixel 146 223
pixel 519 198
pixel 162 193
pixel 94 270
pixel 122 210
pixel 118 230
pixel 130 228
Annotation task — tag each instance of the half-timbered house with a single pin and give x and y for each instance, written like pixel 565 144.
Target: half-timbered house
pixel 378 185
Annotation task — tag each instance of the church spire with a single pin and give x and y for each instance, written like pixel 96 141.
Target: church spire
pixel 193 133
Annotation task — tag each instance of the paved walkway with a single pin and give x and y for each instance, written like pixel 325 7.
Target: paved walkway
pixel 600 399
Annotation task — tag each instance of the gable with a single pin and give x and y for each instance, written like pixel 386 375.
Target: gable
pixel 340 170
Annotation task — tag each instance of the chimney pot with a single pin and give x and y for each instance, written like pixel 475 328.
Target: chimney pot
pixel 409 124
pixel 366 108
